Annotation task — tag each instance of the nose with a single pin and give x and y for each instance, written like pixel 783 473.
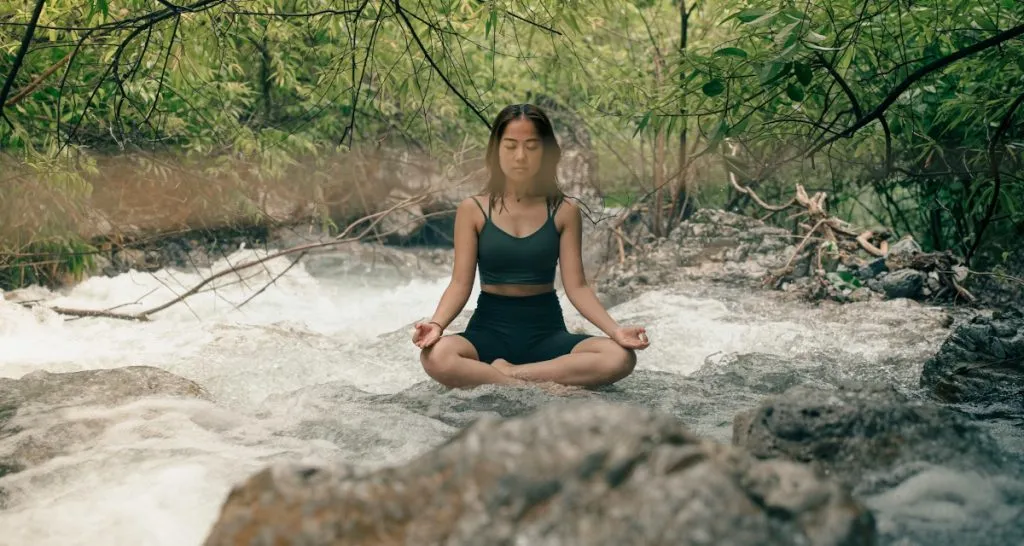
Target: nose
pixel 520 153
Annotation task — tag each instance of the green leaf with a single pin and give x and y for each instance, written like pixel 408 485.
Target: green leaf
pixel 643 123
pixel 795 92
pixel 492 22
pixel 748 15
pixel 773 71
pixel 823 48
pixel 803 73
pixel 714 87
pixel 731 52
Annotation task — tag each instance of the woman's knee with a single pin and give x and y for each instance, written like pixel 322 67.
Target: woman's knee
pixel 618 361
pixel 441 359
pixel 621 362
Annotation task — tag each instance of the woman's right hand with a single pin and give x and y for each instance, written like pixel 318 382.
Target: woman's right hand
pixel 425 334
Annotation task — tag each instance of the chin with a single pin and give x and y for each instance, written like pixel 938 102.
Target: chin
pixel 524 177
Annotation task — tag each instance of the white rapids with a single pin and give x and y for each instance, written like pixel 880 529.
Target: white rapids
pixel 157 470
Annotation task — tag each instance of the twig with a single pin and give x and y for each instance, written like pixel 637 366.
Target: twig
pixel 272 281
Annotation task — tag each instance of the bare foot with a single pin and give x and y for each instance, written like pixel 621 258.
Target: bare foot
pixel 503 366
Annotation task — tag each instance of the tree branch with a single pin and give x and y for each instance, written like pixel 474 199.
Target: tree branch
pixel 994 161
pixel 19 58
pixel 918 74
pixel 419 43
pixel 341 238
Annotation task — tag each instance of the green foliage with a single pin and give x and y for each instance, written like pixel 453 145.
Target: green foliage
pixel 269 93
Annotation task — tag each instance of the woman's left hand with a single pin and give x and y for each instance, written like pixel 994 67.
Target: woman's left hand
pixel 631 337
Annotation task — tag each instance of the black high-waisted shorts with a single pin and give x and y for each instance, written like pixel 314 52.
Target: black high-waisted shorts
pixel 519 329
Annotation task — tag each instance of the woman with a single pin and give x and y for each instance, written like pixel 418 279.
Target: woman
pixel 516 232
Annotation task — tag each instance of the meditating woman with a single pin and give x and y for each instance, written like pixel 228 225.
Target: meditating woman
pixel 516 231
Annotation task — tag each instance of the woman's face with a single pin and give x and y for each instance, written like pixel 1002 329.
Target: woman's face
pixel 520 151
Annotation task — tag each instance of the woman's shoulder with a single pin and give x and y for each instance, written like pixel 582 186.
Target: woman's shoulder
pixel 475 202
pixel 567 206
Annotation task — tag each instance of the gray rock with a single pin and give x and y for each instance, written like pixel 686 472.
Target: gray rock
pixel 862 433
pixel 910 461
pixel 712 244
pixel 29 432
pixel 573 473
pixel 400 224
pixel 905 283
pixel 904 249
pixel 982 364
pixel 871 269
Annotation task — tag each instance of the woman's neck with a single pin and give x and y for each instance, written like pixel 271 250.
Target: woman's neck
pixel 520 192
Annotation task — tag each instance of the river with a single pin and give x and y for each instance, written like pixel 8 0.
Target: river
pixel 289 372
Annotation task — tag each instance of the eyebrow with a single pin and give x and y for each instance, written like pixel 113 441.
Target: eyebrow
pixel 516 140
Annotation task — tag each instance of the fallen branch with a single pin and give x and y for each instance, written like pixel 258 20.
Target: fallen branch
pixel 760 202
pixel 341 238
pixel 864 240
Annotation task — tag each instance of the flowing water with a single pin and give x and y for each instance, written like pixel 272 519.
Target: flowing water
pixel 319 367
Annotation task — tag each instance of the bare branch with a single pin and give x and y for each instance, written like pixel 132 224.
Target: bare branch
pixel 341 238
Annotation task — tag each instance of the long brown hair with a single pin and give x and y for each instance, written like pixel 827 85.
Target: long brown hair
pixel 546 181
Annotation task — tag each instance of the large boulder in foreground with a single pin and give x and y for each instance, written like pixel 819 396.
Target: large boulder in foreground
pixel 572 473
pixel 859 432
pixel 981 364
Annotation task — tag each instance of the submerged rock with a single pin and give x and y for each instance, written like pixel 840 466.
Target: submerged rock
pixel 573 473
pixel 47 390
pixel 31 429
pixel 981 364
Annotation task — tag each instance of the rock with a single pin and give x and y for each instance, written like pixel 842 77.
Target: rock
pixel 902 252
pixel 862 434
pixel 31 429
pixel 871 270
pixel 99 386
pixel 905 283
pixel 712 244
pixel 573 473
pixel 861 294
pixel 400 224
pixel 982 364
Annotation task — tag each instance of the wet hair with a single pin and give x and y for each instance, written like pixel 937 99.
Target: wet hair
pixel 546 181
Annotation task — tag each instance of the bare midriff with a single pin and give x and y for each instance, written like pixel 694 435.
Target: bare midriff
pixel 517 290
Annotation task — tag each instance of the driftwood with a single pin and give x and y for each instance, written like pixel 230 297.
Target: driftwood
pixel 821 227
pixel 845 240
pixel 344 237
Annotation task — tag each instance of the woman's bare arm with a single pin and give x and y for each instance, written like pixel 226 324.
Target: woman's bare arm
pixel 574 280
pixel 464 271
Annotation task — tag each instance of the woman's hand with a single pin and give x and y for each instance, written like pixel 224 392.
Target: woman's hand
pixel 631 337
pixel 425 334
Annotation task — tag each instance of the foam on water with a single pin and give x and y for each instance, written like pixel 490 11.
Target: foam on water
pixel 158 471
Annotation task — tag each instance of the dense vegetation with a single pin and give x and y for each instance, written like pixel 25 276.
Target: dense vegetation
pixel 113 112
